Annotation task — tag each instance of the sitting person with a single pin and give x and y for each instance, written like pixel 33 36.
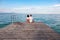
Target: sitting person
pixel 27 18
pixel 30 19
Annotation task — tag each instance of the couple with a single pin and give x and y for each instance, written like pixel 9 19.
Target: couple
pixel 29 18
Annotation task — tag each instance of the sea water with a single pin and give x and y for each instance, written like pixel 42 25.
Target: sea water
pixel 52 20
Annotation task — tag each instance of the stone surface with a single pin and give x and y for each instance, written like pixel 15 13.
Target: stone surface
pixel 28 31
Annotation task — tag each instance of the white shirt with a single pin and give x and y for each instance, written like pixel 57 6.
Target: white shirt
pixel 27 17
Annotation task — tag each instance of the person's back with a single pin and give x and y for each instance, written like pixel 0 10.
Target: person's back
pixel 27 18
pixel 30 19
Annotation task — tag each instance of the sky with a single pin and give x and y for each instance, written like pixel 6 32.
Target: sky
pixel 30 6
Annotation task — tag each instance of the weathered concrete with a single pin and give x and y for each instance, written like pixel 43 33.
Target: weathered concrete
pixel 28 31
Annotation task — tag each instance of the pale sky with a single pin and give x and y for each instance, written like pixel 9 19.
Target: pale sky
pixel 30 6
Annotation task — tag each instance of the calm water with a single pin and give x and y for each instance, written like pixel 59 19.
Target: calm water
pixel 52 20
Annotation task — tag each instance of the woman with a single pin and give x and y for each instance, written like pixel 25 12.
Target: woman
pixel 30 19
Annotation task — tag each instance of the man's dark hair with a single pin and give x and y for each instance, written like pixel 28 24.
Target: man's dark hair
pixel 27 15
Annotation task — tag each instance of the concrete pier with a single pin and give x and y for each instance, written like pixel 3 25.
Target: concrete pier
pixel 28 31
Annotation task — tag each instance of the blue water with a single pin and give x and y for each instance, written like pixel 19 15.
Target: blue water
pixel 52 20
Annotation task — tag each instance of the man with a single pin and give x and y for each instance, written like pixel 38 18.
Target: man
pixel 28 18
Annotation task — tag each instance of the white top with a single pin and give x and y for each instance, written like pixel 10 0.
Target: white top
pixel 30 19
